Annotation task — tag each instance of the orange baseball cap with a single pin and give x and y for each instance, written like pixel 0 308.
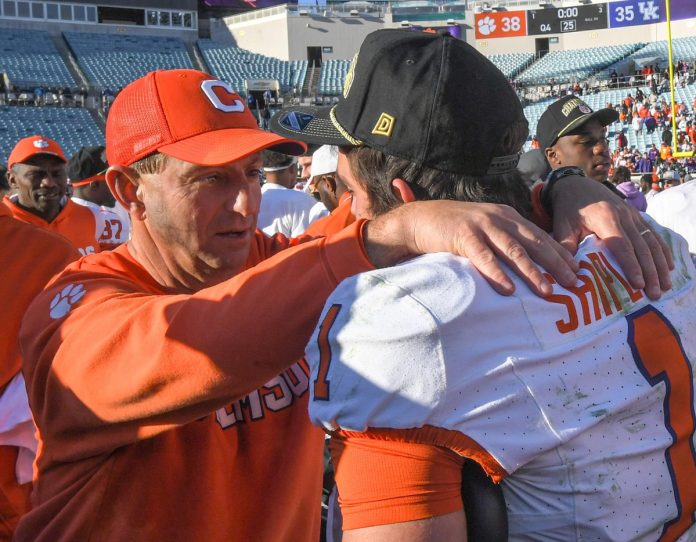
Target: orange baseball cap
pixel 189 115
pixel 30 146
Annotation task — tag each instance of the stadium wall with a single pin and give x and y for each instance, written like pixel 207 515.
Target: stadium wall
pixel 266 36
pixel 287 35
pixel 57 28
pixel 343 35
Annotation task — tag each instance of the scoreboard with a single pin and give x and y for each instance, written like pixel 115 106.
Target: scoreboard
pixel 620 13
pixel 566 19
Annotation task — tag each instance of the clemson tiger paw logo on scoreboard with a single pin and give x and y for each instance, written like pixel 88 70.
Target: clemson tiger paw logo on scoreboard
pixel 486 26
pixel 65 299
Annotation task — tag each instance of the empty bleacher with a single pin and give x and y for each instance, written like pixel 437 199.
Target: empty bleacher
pixel 576 64
pixel 71 127
pixel 113 61
pixel 512 63
pixel 333 73
pixel 682 48
pixel 235 65
pixel 29 57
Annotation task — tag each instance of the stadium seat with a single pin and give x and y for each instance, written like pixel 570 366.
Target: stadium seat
pixel 511 64
pixel 30 58
pixel 574 64
pixel 112 61
pixel 72 128
pixel 235 65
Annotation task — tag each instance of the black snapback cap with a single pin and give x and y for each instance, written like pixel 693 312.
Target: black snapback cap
pixel 566 115
pixel 422 96
pixel 86 163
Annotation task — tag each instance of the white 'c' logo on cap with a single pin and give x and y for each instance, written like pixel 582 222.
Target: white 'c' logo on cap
pixel 40 143
pixel 207 87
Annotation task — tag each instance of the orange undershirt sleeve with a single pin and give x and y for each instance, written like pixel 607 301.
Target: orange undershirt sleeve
pixel 382 482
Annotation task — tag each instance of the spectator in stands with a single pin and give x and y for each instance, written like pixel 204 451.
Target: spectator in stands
pixel 37 175
pixel 38 96
pixel 87 175
pixel 637 124
pixel 666 151
pixel 535 143
pixel 645 165
pixel 284 210
pixel 650 124
pixel 620 140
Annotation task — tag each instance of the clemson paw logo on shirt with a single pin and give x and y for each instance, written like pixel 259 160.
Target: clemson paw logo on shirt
pixel 486 26
pixel 65 299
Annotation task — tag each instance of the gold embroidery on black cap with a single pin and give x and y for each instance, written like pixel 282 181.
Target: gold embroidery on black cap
pixel 349 76
pixel 384 126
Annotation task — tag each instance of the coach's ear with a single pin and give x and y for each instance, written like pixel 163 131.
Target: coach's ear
pixel 123 183
pixel 402 190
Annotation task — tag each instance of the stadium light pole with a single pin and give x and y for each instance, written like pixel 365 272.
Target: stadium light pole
pixel 675 151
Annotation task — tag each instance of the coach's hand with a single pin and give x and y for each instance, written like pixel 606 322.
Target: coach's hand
pixel 582 206
pixel 482 232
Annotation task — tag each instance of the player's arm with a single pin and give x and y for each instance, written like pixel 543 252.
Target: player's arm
pixel 97 348
pixel 582 206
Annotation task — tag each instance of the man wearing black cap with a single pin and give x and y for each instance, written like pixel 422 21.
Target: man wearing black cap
pixel 86 173
pixel 573 137
pixel 417 366
pixel 374 123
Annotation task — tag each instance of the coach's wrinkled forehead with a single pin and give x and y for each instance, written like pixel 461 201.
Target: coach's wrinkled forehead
pixel 189 115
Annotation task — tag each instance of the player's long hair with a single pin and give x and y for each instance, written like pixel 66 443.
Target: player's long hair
pixel 375 171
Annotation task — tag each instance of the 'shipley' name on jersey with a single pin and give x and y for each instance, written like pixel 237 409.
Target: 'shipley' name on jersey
pixel 603 292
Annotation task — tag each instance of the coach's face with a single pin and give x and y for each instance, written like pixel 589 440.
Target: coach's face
pixel 40 183
pixel 203 218
pixel 586 148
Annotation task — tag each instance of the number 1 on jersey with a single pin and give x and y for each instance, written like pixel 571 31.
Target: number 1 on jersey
pixel 321 384
pixel 659 355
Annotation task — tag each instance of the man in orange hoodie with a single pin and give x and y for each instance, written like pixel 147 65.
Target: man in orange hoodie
pixel 29 257
pixel 36 171
pixel 166 411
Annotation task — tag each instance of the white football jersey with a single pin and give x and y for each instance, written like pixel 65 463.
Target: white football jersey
pixel 112 227
pixel 582 402
pixel 674 209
